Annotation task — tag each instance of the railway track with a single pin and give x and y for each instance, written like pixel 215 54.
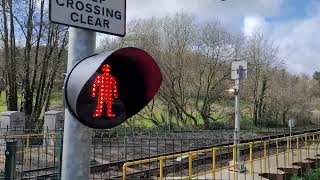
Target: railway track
pixel 175 166
pixel 169 167
pixel 202 160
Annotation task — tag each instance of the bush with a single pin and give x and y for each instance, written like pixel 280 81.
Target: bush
pixel 313 174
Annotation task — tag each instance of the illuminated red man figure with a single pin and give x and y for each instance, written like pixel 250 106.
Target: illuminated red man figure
pixel 108 91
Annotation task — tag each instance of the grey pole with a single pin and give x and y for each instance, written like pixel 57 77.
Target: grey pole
pixel 237 125
pixel 77 137
pixel 237 114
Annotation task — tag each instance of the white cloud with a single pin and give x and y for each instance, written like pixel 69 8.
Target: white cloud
pixel 229 12
pixel 297 39
pixel 252 24
pixel 298 42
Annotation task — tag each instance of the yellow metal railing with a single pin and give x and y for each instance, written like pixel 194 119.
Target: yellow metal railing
pixel 288 148
pixel 251 158
pixel 27 137
pixel 265 155
pixel 298 148
pixel 190 164
pixel 214 163
pixel 213 151
pixel 234 162
pixel 161 168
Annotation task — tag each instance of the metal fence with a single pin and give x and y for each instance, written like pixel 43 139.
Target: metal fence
pixel 272 157
pixel 130 153
pixel 30 154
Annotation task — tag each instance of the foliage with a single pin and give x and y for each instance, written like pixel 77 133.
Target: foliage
pixel 316 75
pixel 56 101
pixel 3 106
pixel 194 58
pixel 195 61
pixel 33 54
pixel 313 174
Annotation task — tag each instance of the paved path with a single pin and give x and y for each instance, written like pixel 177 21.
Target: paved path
pixel 271 165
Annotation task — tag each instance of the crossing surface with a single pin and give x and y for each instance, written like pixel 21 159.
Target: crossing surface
pixel 275 164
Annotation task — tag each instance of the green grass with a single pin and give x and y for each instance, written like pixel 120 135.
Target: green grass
pixel 3 106
pixel 313 174
pixel 56 101
pixel 136 121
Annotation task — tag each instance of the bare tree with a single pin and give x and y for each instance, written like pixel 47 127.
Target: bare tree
pixel 215 48
pixel 195 61
pixel 41 53
pixel 262 56
pixel 9 54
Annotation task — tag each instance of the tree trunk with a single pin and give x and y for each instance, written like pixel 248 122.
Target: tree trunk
pixel 9 58
pixel 284 117
pixel 261 99
pixel 28 96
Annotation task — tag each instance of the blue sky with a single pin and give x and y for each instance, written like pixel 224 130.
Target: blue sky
pixel 293 9
pixel 293 25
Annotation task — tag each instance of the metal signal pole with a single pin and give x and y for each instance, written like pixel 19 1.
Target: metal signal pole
pixel 238 73
pixel 237 120
pixel 236 138
pixel 77 137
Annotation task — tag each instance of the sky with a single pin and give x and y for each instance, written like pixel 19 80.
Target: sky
pixel 292 25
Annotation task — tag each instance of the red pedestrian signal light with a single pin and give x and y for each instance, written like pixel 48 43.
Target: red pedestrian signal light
pixel 104 90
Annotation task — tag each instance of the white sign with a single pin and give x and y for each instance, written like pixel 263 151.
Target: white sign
pixel 105 16
pixel 291 123
pixel 239 70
